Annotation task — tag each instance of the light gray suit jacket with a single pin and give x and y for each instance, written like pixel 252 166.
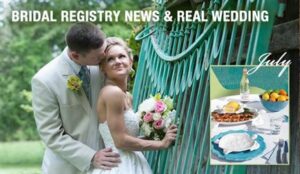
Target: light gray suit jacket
pixel 65 120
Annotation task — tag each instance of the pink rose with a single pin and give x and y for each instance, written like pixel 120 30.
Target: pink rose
pixel 148 117
pixel 159 124
pixel 160 107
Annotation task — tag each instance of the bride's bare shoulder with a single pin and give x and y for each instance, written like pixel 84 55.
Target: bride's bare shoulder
pixel 111 91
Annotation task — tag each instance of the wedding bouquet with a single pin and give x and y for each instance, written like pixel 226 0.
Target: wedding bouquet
pixel 156 115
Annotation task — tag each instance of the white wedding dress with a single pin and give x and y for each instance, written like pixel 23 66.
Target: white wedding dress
pixel 132 162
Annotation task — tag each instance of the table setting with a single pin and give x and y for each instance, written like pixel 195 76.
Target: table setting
pixel 251 132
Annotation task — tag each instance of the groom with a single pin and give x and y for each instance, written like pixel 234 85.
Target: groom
pixel 66 118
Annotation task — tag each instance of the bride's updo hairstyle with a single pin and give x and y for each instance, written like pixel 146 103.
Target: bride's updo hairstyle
pixel 116 41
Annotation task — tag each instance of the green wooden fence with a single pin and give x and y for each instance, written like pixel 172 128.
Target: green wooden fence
pixel 174 60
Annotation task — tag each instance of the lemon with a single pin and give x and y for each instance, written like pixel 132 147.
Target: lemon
pixel 265 96
pixel 232 106
pixel 228 109
pixel 274 95
pixel 282 98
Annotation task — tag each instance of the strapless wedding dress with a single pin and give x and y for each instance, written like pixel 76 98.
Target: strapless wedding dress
pixel 132 162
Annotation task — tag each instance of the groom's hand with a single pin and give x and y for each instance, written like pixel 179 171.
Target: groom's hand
pixel 106 159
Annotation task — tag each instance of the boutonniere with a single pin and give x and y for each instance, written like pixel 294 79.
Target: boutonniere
pixel 74 83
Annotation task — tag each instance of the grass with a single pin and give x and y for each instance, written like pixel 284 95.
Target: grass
pixel 20 170
pixel 21 157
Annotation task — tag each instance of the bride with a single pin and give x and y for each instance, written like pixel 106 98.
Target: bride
pixel 118 124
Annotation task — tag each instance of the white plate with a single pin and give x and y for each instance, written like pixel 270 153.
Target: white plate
pixel 237 142
pixel 238 122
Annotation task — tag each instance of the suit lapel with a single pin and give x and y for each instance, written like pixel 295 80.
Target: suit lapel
pixel 66 71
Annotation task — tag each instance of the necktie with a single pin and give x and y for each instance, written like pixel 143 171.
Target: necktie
pixel 84 75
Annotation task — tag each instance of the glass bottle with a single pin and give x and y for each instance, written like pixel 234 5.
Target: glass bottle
pixel 244 86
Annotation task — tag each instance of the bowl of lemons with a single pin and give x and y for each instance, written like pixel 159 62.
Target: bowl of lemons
pixel 274 100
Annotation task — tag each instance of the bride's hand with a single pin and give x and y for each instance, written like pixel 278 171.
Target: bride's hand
pixel 170 136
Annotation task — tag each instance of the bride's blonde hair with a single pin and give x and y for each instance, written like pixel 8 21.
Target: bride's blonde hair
pixel 113 41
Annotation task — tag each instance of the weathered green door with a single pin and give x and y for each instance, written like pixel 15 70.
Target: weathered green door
pixel 175 61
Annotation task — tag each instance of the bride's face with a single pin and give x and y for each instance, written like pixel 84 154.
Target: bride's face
pixel 117 62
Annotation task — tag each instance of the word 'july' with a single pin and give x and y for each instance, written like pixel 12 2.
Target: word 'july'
pixel 264 62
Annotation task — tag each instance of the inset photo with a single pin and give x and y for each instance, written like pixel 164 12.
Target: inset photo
pixel 249 115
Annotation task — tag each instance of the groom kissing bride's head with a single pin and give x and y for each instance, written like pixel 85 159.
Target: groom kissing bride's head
pixel 77 116
pixel 86 43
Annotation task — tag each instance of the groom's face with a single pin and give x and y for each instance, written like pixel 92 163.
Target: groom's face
pixel 92 57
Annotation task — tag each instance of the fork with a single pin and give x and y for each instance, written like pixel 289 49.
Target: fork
pixel 269 152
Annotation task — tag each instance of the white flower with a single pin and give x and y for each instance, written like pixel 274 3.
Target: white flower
pixel 146 129
pixel 170 119
pixel 147 105
pixel 156 116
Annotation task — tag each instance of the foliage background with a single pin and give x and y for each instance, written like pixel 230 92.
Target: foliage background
pixel 26 47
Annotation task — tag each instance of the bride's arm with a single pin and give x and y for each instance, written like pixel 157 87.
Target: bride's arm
pixel 114 104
